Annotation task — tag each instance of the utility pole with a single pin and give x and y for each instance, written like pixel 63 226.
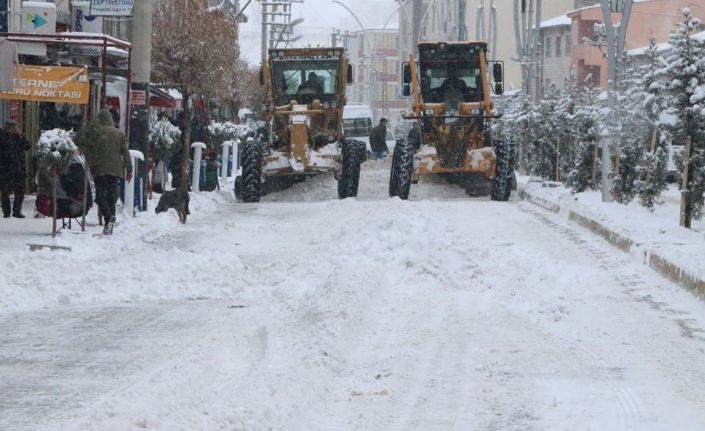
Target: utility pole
pixel 480 21
pixel 616 37
pixel 141 72
pixel 276 24
pixel 462 28
pixel 492 31
pixel 334 36
pixel 416 14
pixel 526 35
pixel 264 32
pixel 490 35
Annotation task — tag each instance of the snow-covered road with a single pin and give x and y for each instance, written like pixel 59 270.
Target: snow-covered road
pixel 439 313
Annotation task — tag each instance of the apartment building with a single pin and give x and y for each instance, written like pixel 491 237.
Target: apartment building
pixel 375 55
pixel 649 18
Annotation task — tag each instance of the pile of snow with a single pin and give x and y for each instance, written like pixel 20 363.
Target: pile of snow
pixel 228 131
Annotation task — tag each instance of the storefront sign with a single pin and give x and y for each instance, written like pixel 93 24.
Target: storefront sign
pixel 138 97
pixel 50 84
pixel 36 18
pixel 81 21
pixel 112 7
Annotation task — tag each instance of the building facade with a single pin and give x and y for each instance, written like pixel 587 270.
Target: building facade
pixel 556 48
pixel 374 53
pixel 648 18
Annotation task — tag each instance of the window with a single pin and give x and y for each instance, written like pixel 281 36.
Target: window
pixel 305 79
pixel 547 48
pixel 441 81
pixel 558 46
pixel 567 45
pixel 357 127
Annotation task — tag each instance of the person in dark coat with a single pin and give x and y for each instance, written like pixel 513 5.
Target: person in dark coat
pixel 109 161
pixel 13 172
pixel 378 139
pixel 311 86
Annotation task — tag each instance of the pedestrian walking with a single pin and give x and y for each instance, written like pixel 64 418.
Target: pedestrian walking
pixel 378 139
pixel 13 172
pixel 109 161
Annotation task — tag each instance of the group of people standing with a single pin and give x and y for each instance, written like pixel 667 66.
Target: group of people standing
pixel 107 156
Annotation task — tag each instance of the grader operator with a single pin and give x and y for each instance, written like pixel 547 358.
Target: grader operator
pixel 305 90
pixel 453 113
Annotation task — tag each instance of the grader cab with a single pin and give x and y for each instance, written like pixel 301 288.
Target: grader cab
pixel 305 90
pixel 453 113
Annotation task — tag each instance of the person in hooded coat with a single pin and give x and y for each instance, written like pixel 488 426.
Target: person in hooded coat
pixel 109 161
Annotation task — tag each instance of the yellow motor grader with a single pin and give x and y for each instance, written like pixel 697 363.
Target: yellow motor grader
pixel 305 90
pixel 452 136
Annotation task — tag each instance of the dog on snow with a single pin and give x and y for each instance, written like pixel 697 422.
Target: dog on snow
pixel 176 199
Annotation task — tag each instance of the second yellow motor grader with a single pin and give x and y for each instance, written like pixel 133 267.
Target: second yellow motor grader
pixel 453 113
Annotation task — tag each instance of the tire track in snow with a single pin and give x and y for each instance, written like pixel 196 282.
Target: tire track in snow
pixel 631 408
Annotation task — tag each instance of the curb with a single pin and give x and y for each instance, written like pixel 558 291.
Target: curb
pixel 618 240
pixel 543 203
pixel 658 263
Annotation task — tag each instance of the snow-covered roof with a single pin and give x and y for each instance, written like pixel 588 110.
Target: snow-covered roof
pixel 173 92
pixel 562 20
pixel 39 4
pixel 117 52
pixel 99 38
pixel 662 47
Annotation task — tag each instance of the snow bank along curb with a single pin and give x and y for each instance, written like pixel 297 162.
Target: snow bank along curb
pixel 660 264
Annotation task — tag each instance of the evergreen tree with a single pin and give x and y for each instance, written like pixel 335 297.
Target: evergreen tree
pixel 652 176
pixel 567 127
pixel 517 126
pixel 685 71
pixel 586 124
pixel 632 132
pixel 542 151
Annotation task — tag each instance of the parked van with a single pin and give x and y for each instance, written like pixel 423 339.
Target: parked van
pixel 358 123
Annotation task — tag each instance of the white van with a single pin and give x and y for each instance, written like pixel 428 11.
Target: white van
pixel 358 124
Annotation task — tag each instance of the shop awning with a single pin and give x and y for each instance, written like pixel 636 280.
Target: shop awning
pixel 162 99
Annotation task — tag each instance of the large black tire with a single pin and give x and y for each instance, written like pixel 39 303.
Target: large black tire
pixel 250 185
pixel 402 169
pixel 502 181
pixel 353 155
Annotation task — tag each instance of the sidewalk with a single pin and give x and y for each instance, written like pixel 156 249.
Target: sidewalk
pixel 17 233
pixel 674 252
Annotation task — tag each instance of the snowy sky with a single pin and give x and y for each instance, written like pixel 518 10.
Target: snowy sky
pixel 320 16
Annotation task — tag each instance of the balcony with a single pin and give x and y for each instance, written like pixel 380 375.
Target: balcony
pixel 589 55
